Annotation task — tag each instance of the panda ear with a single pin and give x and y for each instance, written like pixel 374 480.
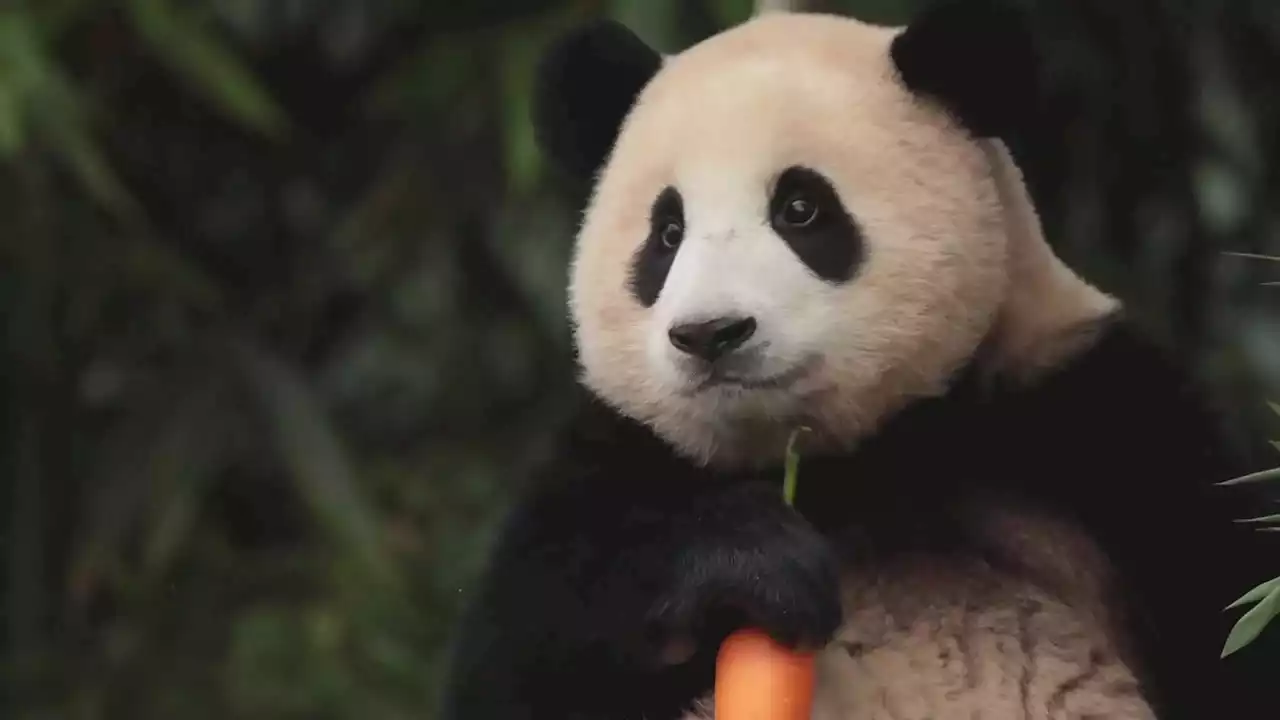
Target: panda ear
pixel 976 57
pixel 586 84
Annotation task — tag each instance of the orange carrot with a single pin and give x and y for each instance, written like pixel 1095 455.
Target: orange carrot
pixel 757 678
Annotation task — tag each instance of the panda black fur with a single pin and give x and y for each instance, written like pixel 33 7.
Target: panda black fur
pixel 1006 505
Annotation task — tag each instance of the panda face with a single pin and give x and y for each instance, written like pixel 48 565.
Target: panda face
pixel 739 306
pixel 785 235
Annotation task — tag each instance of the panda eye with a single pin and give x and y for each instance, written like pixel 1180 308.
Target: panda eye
pixel 799 211
pixel 671 234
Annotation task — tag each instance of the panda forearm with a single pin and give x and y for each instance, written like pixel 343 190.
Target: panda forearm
pixel 589 558
pixel 596 577
pixel 561 615
pixel 532 645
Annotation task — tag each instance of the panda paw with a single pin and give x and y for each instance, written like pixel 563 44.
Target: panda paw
pixel 758 563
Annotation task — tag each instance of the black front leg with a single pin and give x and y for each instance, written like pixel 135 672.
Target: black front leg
pixel 596 577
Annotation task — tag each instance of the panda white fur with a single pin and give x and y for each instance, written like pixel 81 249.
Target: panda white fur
pixel 1006 505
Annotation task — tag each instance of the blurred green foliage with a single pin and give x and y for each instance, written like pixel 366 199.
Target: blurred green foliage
pixel 281 283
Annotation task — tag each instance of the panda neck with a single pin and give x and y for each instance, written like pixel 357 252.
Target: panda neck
pixel 1049 312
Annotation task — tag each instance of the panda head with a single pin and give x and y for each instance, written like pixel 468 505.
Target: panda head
pixel 804 220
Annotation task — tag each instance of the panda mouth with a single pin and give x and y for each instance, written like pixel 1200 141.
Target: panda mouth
pixel 717 377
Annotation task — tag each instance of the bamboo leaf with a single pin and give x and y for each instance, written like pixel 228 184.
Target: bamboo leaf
pixel 1256 593
pixel 1260 476
pixel 792 466
pixel 1255 256
pixel 316 459
pixel 35 87
pixel 1251 624
pixel 1263 519
pixel 195 53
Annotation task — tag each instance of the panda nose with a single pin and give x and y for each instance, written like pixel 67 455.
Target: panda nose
pixel 712 338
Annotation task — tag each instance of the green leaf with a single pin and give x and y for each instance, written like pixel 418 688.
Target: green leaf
pixel 315 456
pixel 41 100
pixel 1255 256
pixel 193 52
pixel 33 86
pixel 1263 519
pixel 1251 624
pixel 1275 407
pixel 1260 476
pixel 792 463
pixel 1256 593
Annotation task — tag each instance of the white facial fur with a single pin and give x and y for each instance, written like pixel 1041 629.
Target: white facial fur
pixel 953 253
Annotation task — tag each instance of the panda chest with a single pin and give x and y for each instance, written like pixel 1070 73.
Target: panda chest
pixel 1019 628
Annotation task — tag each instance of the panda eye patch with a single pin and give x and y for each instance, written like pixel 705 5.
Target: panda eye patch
pixel 806 213
pixel 652 261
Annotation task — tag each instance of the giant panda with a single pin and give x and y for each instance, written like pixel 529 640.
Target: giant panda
pixel 1007 503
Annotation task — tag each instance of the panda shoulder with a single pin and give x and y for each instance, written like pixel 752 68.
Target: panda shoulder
pixel 1113 383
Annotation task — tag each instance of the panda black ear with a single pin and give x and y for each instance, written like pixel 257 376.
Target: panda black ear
pixel 976 57
pixel 586 84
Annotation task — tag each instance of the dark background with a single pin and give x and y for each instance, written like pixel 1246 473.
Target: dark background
pixel 282 288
